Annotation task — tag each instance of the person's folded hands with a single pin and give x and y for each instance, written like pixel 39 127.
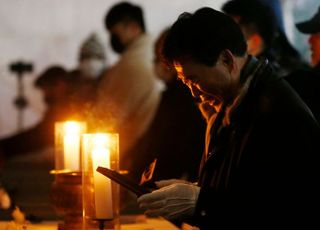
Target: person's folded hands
pixel 175 201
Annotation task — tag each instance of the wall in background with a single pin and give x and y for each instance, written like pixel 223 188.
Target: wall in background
pixel 296 11
pixel 47 32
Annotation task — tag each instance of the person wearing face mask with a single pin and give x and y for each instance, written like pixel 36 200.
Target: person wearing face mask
pixel 129 92
pixel 84 80
pixel 92 67
pixel 92 58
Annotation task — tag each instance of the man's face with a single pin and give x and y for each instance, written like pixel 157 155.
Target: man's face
pixel 210 84
pixel 120 36
pixel 53 93
pixel 92 67
pixel 314 42
pixel 255 44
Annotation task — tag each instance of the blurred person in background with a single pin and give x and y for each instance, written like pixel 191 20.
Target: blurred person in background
pixel 92 57
pixel 286 54
pixel 307 82
pixel 264 38
pixel 176 134
pixel 264 35
pixel 53 84
pixel 312 28
pixel 129 92
pixel 84 80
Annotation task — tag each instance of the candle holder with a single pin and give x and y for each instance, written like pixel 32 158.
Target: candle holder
pixel 101 201
pixel 66 195
pixel 66 190
pixel 68 145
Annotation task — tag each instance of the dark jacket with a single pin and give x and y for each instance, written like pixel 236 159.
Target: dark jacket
pixel 260 169
pixel 307 85
pixel 175 137
pixel 38 137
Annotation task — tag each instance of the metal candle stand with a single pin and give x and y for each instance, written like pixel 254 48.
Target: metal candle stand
pixel 66 195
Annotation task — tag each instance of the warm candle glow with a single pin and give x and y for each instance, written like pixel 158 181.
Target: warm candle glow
pixel 102 185
pixel 68 144
pixel 71 145
pixel 101 198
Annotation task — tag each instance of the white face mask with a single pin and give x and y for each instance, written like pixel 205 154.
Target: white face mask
pixel 92 67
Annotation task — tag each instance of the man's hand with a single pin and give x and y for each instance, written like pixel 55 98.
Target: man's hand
pixel 176 201
pixel 163 183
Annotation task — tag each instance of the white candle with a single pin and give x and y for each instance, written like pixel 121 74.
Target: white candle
pixel 102 185
pixel 71 146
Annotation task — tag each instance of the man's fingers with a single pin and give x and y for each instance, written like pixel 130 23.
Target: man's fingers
pixel 163 183
pixel 151 197
pixel 153 205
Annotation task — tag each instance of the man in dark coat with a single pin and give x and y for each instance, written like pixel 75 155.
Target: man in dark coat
pixel 264 35
pixel 307 82
pixel 260 165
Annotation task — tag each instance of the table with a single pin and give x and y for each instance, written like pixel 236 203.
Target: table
pixel 142 224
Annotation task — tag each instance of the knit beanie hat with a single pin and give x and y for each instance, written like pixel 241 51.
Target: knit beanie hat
pixel 92 48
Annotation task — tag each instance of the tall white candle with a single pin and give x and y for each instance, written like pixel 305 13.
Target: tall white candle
pixel 71 146
pixel 102 185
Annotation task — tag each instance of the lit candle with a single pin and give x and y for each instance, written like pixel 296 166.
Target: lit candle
pixel 71 145
pixel 102 185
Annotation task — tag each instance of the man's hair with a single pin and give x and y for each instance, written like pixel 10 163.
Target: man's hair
pixel 158 45
pixel 255 16
pixel 125 12
pixel 92 47
pixel 202 36
pixel 51 76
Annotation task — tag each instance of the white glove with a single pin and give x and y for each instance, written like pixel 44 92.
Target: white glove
pixel 174 202
pixel 163 183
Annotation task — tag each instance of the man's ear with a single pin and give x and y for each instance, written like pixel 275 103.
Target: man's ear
pixel 227 59
pixel 135 28
pixel 255 44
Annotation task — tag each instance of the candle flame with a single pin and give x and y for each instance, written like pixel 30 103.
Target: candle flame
pixel 101 140
pixel 72 127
